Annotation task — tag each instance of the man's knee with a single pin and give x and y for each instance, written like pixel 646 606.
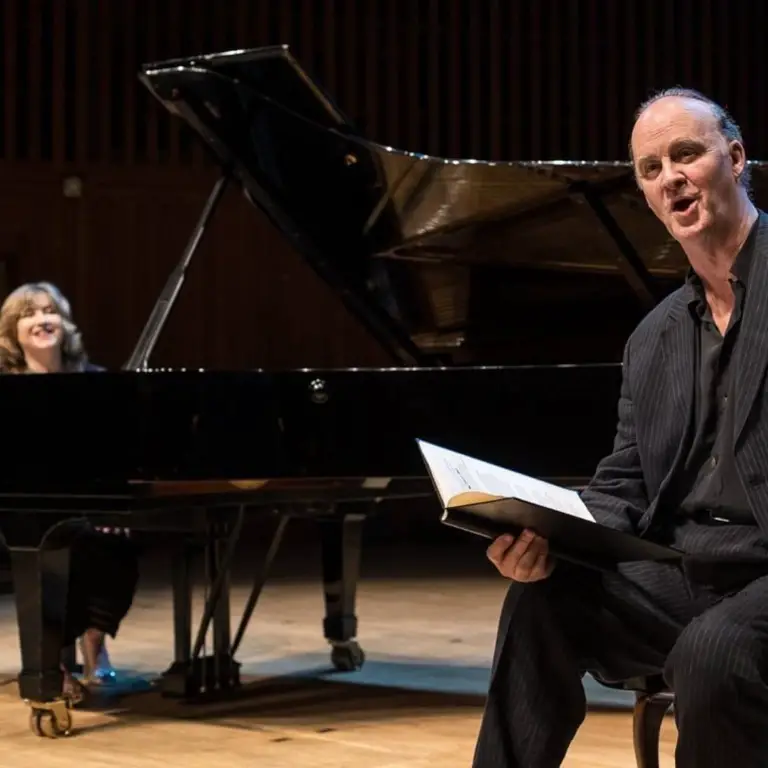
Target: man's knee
pixel 709 658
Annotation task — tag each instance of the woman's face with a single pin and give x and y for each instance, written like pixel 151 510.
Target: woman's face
pixel 40 326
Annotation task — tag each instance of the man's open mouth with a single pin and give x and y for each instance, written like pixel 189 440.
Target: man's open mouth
pixel 683 204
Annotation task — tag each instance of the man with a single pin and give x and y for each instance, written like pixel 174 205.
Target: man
pixel 689 468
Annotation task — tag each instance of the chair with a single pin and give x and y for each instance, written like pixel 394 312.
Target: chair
pixel 652 702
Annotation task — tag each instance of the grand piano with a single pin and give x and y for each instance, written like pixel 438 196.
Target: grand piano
pixel 503 293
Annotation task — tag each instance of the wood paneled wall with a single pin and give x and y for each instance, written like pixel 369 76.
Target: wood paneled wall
pixel 249 301
pixel 497 79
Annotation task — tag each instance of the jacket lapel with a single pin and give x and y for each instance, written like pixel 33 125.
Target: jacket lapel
pixel 752 352
pixel 679 356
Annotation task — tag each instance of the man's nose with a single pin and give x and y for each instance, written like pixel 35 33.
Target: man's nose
pixel 671 176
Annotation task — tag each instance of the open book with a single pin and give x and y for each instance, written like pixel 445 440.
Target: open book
pixel 461 480
pixel 489 500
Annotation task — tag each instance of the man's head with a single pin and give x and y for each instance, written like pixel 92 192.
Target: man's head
pixel 690 163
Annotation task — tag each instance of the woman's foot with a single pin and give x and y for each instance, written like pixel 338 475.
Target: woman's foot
pixel 97 667
pixel 71 688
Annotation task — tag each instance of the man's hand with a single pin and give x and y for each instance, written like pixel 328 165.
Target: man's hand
pixel 523 559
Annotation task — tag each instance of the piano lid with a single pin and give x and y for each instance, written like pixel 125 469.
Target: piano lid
pixel 441 259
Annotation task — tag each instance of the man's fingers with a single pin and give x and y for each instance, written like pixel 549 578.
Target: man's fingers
pixel 499 548
pixel 524 558
pixel 540 569
pixel 527 560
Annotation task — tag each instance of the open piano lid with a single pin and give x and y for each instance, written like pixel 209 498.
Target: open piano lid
pixel 407 239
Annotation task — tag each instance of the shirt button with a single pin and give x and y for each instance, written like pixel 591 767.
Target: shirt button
pixel 713 462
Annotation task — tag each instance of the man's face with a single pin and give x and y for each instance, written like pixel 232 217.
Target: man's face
pixel 685 167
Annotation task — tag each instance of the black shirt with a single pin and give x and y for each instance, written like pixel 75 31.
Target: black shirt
pixel 711 485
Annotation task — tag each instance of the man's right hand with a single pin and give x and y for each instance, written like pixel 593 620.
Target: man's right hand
pixel 523 559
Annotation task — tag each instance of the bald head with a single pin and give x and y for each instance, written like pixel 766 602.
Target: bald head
pixel 662 104
pixel 690 164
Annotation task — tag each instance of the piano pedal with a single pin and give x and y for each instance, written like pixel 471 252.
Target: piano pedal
pixel 52 719
pixel 347 656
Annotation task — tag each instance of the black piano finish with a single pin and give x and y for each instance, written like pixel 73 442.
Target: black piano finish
pixel 192 426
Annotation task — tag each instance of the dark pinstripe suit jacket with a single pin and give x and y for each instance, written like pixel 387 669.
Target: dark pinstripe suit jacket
pixel 630 489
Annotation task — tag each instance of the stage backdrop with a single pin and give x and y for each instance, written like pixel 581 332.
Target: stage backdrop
pixel 100 187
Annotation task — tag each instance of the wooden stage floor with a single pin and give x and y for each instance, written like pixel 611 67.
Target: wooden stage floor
pixel 428 636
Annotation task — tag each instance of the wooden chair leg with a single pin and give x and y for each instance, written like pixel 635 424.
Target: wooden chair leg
pixel 647 719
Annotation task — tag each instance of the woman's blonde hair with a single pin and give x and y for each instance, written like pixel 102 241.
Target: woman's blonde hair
pixel 73 356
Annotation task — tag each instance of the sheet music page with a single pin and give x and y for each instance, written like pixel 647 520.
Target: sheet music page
pixel 455 473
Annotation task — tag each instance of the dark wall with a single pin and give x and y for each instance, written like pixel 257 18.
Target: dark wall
pixel 492 79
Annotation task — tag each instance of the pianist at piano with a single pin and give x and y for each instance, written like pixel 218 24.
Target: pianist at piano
pixel 688 468
pixel 38 335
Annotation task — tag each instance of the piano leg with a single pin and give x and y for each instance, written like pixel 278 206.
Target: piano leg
pixel 193 674
pixel 40 570
pixel 341 539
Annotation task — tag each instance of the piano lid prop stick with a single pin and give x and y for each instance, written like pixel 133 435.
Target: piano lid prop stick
pixel 170 292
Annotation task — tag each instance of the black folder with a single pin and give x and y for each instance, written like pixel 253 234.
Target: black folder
pixel 570 538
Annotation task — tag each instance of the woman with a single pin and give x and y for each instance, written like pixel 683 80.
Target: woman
pixel 37 335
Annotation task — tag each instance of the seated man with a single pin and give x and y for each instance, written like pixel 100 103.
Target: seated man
pixel 38 335
pixel 689 468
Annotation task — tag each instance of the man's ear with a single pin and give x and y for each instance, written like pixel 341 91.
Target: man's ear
pixel 738 158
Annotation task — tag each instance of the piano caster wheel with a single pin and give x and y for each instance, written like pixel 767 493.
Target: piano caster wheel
pixel 51 721
pixel 347 657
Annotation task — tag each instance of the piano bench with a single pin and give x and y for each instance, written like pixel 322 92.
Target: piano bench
pixel 652 702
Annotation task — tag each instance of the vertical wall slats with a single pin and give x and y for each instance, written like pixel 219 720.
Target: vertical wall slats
pixel 309 47
pixel 629 46
pixel 707 30
pixel 494 86
pixel 392 87
pixel 104 94
pixel 758 79
pixel 493 79
pixel 613 85
pixel 10 52
pixel 412 115
pixel 84 34
pixel 456 84
pixel 553 84
pixel 652 50
pixel 35 83
pixel 535 40
pixel 371 60
pixel 722 17
pixel 513 121
pixel 329 44
pixel 59 94
pixel 128 66
pixel 434 99
pixel 197 11
pixel 151 115
pixel 477 140
pixel 575 78
pixel 174 43
pixel 593 91
pixel 351 72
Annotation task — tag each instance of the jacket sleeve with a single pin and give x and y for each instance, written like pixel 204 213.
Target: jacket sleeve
pixel 616 496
